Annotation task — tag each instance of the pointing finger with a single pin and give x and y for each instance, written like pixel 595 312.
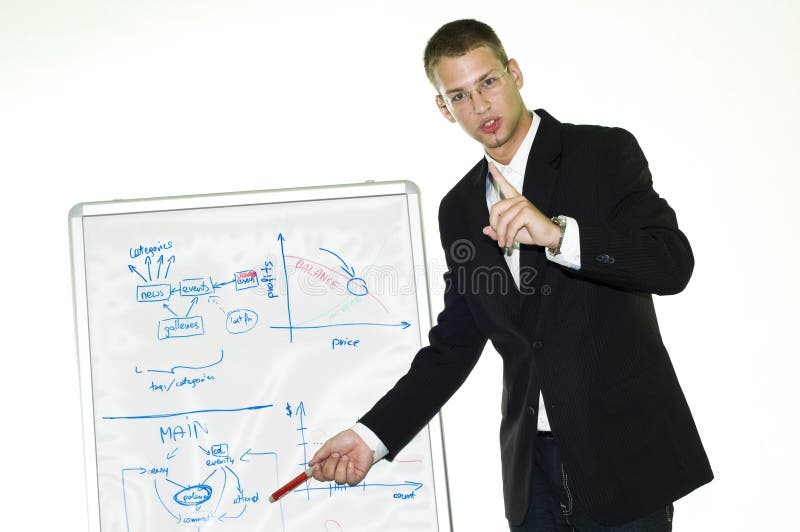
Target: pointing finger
pixel 506 189
pixel 321 454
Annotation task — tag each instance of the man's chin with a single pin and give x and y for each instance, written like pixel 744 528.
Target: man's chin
pixel 490 141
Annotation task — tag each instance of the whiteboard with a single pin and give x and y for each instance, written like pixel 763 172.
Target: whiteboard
pixel 223 338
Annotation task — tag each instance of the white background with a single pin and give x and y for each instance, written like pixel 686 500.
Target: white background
pixel 125 99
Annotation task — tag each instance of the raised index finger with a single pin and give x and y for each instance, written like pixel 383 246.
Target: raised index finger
pixel 507 190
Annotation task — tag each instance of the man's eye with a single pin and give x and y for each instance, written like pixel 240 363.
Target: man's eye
pixel 458 97
pixel 488 82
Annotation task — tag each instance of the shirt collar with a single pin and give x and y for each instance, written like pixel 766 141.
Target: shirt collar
pixel 514 171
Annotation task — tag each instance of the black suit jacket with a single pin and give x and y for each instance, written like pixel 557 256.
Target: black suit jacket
pixel 588 339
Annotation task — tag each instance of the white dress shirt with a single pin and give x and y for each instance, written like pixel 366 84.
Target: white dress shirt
pixel 570 257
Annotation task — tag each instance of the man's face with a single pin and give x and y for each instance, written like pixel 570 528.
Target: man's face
pixel 492 117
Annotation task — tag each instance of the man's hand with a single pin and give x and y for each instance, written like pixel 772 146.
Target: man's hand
pixel 345 459
pixel 514 218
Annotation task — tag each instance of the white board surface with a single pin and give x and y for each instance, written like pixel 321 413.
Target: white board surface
pixel 223 338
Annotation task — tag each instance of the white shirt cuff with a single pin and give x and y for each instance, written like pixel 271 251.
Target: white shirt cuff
pixel 372 441
pixel 570 255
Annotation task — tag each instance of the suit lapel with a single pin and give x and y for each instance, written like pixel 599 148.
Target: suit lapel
pixel 488 253
pixel 541 175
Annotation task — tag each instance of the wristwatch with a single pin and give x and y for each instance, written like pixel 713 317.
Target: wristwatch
pixel 562 225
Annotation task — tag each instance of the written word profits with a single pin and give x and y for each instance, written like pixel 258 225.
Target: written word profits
pixel 243 280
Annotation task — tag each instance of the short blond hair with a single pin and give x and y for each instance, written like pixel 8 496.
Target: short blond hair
pixel 457 38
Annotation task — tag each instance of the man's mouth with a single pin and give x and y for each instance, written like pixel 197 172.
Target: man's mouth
pixel 490 126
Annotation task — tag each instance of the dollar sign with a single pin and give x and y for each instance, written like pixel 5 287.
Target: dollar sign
pixel 288 410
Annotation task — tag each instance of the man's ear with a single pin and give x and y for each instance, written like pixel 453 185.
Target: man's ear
pixel 443 109
pixel 516 72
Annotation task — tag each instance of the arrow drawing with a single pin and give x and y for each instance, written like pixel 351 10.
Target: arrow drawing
pixel 161 263
pixel 191 306
pixel 403 324
pixel 349 270
pixel 133 269
pixel 220 285
pixel 286 278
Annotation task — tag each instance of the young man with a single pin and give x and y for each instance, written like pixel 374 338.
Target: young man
pixel 596 433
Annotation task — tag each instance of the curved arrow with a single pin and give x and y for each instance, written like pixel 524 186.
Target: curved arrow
pixel 141 471
pixel 158 495
pixel 222 491
pixel 238 482
pixel 225 515
pixel 346 268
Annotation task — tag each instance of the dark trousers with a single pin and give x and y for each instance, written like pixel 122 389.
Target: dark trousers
pixel 554 508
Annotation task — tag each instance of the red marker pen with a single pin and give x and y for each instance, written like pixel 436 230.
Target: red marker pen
pixel 292 484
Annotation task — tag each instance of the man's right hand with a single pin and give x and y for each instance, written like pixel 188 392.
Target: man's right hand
pixel 345 459
pixel 515 219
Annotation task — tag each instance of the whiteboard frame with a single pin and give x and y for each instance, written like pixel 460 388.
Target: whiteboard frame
pixel 234 199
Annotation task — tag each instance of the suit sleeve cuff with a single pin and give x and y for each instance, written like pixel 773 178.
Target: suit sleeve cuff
pixel 372 441
pixel 570 255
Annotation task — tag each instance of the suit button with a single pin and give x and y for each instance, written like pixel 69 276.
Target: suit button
pixel 602 258
pixel 611 260
pixel 531 411
pixel 537 344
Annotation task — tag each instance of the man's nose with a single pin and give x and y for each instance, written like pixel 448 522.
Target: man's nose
pixel 480 104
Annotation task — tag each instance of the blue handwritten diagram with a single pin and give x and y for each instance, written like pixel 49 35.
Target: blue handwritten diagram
pixel 235 483
pixel 224 356
pixel 184 324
